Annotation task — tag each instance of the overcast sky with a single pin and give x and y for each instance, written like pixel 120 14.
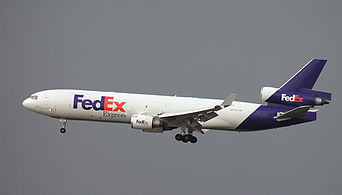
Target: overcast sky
pixel 184 47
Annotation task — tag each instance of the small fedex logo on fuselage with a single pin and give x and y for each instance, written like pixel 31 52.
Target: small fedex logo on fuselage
pixel 293 98
pixel 106 103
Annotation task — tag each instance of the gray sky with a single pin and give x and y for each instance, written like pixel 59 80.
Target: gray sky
pixel 185 47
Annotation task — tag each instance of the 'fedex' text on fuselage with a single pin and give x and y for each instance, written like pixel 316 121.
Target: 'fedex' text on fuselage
pixel 105 103
pixel 294 98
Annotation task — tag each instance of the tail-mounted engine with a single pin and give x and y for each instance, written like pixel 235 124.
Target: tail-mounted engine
pixel 304 97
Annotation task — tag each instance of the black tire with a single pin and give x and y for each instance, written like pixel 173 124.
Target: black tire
pixel 178 137
pixel 63 130
pixel 193 139
pixel 186 138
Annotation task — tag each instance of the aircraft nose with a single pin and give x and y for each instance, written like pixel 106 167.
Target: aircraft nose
pixel 27 103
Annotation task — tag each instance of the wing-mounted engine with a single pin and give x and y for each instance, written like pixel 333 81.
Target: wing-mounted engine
pixel 294 98
pixel 148 123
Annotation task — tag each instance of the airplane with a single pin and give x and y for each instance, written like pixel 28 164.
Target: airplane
pixel 292 103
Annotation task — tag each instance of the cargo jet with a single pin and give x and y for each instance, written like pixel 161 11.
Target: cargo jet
pixel 292 103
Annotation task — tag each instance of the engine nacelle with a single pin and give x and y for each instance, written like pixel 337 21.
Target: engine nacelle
pixel 276 95
pixel 147 123
pixel 267 92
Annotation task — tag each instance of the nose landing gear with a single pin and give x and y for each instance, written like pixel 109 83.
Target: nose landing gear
pixel 62 130
pixel 64 121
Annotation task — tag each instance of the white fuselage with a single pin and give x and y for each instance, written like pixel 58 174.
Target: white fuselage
pixel 119 107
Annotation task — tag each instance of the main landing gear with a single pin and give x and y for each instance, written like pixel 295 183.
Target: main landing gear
pixel 64 121
pixel 186 135
pixel 186 138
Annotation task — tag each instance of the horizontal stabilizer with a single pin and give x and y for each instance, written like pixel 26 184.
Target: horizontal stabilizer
pixel 294 113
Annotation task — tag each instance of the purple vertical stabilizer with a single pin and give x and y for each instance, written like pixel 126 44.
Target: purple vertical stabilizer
pixel 305 77
pixel 297 91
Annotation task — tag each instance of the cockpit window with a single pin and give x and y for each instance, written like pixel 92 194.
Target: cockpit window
pixel 34 97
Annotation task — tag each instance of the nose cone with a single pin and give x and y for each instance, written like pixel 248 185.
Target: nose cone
pixel 27 103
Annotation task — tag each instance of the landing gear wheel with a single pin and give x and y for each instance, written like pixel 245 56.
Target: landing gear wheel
pixel 64 121
pixel 193 139
pixel 186 138
pixel 178 137
pixel 63 130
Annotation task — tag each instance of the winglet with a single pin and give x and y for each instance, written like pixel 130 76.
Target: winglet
pixel 229 100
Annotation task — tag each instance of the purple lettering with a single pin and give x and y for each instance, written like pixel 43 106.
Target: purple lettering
pixel 102 102
pixel 86 103
pixel 76 100
pixel 96 103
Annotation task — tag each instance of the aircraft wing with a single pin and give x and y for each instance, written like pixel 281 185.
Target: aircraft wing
pixel 190 119
pixel 204 114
